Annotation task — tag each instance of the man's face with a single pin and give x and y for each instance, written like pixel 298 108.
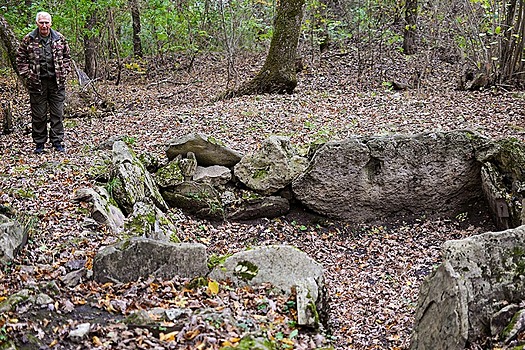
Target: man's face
pixel 44 25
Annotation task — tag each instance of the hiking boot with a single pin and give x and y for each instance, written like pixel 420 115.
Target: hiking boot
pixel 59 147
pixel 39 148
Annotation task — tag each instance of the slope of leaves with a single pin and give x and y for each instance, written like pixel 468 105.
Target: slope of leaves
pixel 373 271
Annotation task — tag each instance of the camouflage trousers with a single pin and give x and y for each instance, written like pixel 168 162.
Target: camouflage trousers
pixel 50 100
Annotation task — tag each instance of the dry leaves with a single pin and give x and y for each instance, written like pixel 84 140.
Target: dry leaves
pixel 373 272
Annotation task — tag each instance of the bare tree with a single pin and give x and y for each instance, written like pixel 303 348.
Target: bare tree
pixel 278 74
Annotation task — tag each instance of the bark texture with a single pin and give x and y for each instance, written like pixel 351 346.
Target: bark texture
pixel 8 38
pixel 135 15
pixel 278 74
pixel 409 37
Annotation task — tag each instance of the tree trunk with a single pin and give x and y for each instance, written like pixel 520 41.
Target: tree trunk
pixel 409 37
pixel 278 74
pixel 8 38
pixel 90 47
pixel 135 15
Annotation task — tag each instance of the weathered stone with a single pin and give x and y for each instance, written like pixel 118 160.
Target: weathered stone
pixel 12 238
pixel 169 175
pixel 208 151
pixel 285 267
pixel 131 182
pixel 307 314
pixel 103 211
pixel 264 207
pixel 149 221
pixel 503 177
pixel 199 199
pixel 136 257
pixel 80 332
pixel 214 175
pixel 14 299
pixel 366 178
pixel 272 167
pixel 188 166
pixel 479 273
pixel 500 319
pixel 516 326
pixel 74 278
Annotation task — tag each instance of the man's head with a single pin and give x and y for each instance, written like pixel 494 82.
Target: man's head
pixel 43 21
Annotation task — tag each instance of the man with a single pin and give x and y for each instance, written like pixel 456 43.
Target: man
pixel 43 59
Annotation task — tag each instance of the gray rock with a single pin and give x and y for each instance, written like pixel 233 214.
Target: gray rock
pixel 503 179
pixel 307 314
pixel 501 318
pixel 272 167
pixel 43 299
pixel 131 182
pixel 264 207
pixel 208 151
pixel 285 267
pixel 80 332
pixel 214 175
pixel 169 175
pixel 74 278
pixel 103 211
pixel 199 199
pixel 136 257
pixel 515 327
pixel 12 238
pixel 15 299
pixel 149 221
pixel 458 301
pixel 366 178
pixel 188 166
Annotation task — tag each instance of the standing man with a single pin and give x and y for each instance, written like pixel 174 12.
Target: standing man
pixel 43 59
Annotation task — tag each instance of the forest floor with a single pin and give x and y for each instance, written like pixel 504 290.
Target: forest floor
pixel 373 271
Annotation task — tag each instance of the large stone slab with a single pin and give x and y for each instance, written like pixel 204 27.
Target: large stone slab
pixel 207 150
pixel 286 268
pixel 367 178
pixel 136 257
pixel 131 182
pixel 463 298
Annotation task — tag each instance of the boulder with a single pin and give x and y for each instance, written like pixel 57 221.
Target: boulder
pixel 131 182
pixel 367 178
pixel 149 221
pixel 136 257
pixel 103 211
pixel 503 179
pixel 199 199
pixel 13 237
pixel 214 175
pixel 263 207
pixel 169 175
pixel 286 268
pixel 479 277
pixel 207 150
pixel 272 167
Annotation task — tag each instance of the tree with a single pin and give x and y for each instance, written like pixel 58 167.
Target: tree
pixel 8 38
pixel 135 15
pixel 409 37
pixel 90 46
pixel 278 74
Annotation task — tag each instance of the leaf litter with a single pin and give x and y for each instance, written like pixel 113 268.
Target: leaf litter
pixel 373 271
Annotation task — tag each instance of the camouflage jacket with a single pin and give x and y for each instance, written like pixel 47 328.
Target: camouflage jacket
pixel 28 59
